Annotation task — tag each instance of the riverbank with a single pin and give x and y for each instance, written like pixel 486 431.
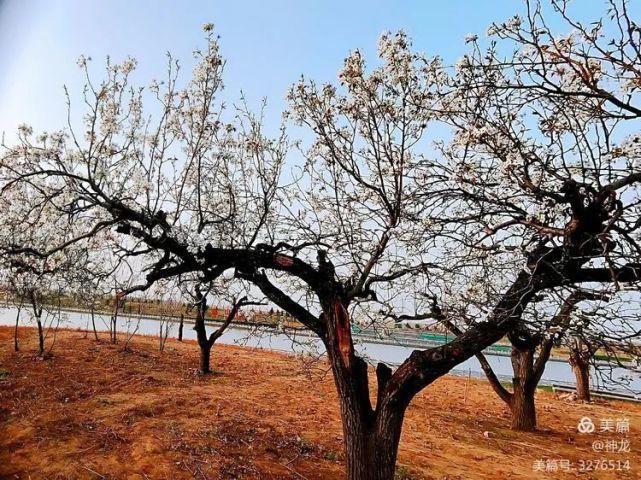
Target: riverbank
pixel 394 337
pixel 557 372
pixel 93 410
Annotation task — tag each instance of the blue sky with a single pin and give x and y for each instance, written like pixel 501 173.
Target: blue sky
pixel 267 44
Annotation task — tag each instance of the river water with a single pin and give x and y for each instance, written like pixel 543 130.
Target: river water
pixel 556 371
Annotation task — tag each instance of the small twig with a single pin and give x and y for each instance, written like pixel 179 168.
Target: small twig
pixel 467 382
pixel 294 471
pixel 93 471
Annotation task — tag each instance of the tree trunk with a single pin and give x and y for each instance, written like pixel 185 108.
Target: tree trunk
pixel 180 327
pixel 581 369
pixel 41 337
pixel 205 354
pixel 371 437
pixel 16 347
pixel 114 320
pixel 523 410
pixel 371 445
pixel 93 322
pixel 522 401
pixel 112 329
pixel 201 334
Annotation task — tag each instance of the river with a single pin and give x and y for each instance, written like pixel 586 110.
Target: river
pixel 556 371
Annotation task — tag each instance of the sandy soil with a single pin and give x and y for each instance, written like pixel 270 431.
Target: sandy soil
pixel 93 410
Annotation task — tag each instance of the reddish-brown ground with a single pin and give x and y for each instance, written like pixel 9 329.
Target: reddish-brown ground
pixel 93 410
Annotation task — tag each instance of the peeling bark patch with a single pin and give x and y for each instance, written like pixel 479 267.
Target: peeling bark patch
pixel 343 333
pixel 283 261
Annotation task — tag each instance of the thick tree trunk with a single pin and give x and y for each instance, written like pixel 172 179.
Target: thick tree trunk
pixel 581 369
pixel 522 400
pixel 523 410
pixel 371 437
pixel 180 327
pixel 205 355
pixel 371 445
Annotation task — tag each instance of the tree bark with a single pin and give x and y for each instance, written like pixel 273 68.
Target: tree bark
pixel 36 305
pixel 41 337
pixel 201 335
pixel 523 409
pixel 205 355
pixel 119 303
pixel 207 342
pixel 524 385
pixel 16 346
pixel 93 323
pixel 371 437
pixel 180 327
pixel 371 445
pixel 581 369
pixel 494 381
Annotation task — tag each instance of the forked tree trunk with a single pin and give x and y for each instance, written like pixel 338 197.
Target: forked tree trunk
pixel 371 445
pixel 526 376
pixel 527 370
pixel 581 369
pixel 371 437
pixel 207 342
pixel 522 403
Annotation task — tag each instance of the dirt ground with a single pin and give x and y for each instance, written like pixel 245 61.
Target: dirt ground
pixel 94 410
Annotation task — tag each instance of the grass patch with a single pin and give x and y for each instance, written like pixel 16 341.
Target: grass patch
pixel 330 455
pixel 402 473
pixel 545 388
